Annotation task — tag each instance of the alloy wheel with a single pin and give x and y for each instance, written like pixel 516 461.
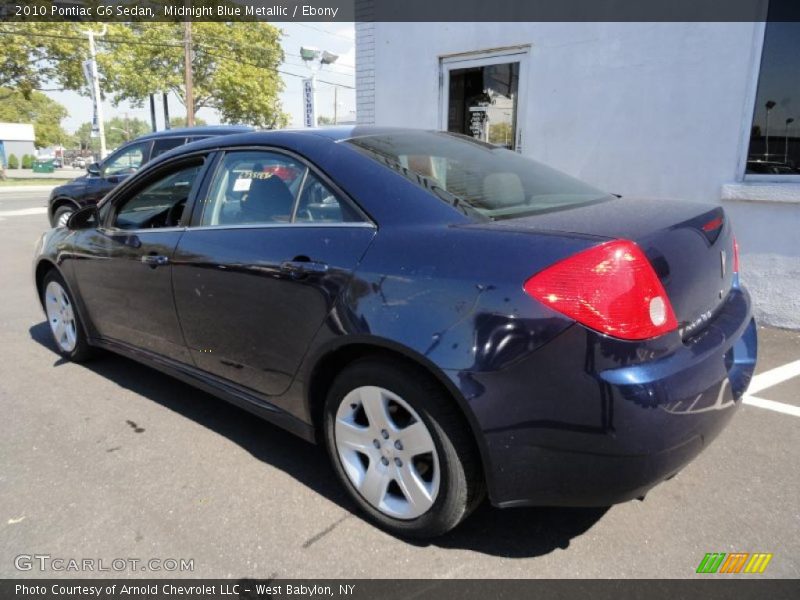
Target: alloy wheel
pixel 387 452
pixel 63 218
pixel 61 316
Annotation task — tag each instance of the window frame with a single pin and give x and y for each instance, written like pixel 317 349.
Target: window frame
pixel 759 37
pixel 483 58
pixel 130 188
pixel 214 171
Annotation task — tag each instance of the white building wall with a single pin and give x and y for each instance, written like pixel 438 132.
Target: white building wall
pixel 656 110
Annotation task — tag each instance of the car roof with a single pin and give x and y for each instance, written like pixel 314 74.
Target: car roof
pixel 206 130
pixel 291 138
pixel 335 133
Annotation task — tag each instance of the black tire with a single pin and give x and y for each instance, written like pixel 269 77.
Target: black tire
pixel 461 483
pixel 82 351
pixel 64 209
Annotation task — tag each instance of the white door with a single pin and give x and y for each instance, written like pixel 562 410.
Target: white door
pixel 483 95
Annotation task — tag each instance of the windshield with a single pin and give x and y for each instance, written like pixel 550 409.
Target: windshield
pixel 477 177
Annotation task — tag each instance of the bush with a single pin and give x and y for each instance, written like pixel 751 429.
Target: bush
pixel 27 161
pixel 13 161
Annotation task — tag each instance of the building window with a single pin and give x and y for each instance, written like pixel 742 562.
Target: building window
pixel 483 103
pixel 775 132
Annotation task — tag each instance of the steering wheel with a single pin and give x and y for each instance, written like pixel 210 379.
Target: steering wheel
pixel 175 213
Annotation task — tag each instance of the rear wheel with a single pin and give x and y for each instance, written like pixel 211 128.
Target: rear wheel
pixel 401 448
pixel 63 319
pixel 62 215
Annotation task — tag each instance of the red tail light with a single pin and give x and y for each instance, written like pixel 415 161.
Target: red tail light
pixel 611 288
pixel 735 256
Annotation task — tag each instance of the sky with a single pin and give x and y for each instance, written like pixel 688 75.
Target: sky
pixel 338 38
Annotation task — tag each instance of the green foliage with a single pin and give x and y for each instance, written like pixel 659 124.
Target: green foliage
pixel 234 67
pixel 501 133
pixel 27 161
pixel 175 122
pixel 234 64
pixel 13 161
pixel 31 56
pixel 45 114
pixel 323 120
pixel 118 130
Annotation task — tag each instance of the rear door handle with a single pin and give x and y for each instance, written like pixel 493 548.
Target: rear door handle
pixel 303 267
pixel 155 260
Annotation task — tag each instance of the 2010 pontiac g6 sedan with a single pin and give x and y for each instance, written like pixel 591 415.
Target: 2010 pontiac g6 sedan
pixel 450 319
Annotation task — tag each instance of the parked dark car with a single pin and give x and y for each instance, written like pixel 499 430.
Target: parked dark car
pixel 102 177
pixel 449 318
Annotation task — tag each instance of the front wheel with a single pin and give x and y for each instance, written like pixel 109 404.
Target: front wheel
pixel 63 318
pixel 402 449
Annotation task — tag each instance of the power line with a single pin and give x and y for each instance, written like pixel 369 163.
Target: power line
pixel 176 45
pixel 306 25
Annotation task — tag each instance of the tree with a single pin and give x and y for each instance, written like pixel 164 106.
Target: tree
pixel 501 133
pixel 45 114
pixel 181 122
pixel 323 120
pixel 234 67
pixel 13 161
pixel 35 54
pixel 118 131
pixel 27 161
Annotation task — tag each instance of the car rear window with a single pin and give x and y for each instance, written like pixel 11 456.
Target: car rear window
pixel 477 177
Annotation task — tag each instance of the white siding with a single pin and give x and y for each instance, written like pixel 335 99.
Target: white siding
pixel 657 110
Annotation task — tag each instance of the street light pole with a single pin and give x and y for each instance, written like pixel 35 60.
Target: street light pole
pixel 98 104
pixel 789 121
pixel 309 55
pixel 769 106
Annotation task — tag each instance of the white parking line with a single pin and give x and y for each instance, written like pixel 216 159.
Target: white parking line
pixel 780 407
pixel 774 376
pixel 770 378
pixel 24 212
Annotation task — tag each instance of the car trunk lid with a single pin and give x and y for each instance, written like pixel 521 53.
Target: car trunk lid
pixel 690 246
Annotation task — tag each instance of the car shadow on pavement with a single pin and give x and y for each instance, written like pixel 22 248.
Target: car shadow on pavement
pixel 513 533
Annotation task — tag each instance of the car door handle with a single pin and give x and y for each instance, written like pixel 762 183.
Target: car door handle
pixel 303 267
pixel 155 260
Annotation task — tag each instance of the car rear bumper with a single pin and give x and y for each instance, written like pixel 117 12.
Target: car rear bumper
pixel 590 421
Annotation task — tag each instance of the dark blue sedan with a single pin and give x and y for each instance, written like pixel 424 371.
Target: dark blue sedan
pixel 450 319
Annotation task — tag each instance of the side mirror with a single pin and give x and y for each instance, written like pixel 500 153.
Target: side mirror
pixel 94 169
pixel 85 218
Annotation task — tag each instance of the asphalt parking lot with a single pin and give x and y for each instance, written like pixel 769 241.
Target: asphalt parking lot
pixel 114 460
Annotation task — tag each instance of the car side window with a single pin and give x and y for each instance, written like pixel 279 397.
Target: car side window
pixel 261 187
pixel 253 187
pixel 159 204
pixel 163 144
pixel 127 161
pixel 319 204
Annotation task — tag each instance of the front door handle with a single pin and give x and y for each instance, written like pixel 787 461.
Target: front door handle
pixel 155 260
pixel 303 267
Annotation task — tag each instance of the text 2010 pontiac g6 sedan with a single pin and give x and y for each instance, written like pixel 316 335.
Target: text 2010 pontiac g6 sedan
pixel 451 319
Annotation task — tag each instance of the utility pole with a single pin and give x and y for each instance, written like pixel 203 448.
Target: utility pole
pixel 166 111
pixel 187 67
pixel 98 104
pixel 335 103
pixel 153 112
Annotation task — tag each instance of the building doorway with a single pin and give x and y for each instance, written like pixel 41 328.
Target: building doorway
pixel 481 96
